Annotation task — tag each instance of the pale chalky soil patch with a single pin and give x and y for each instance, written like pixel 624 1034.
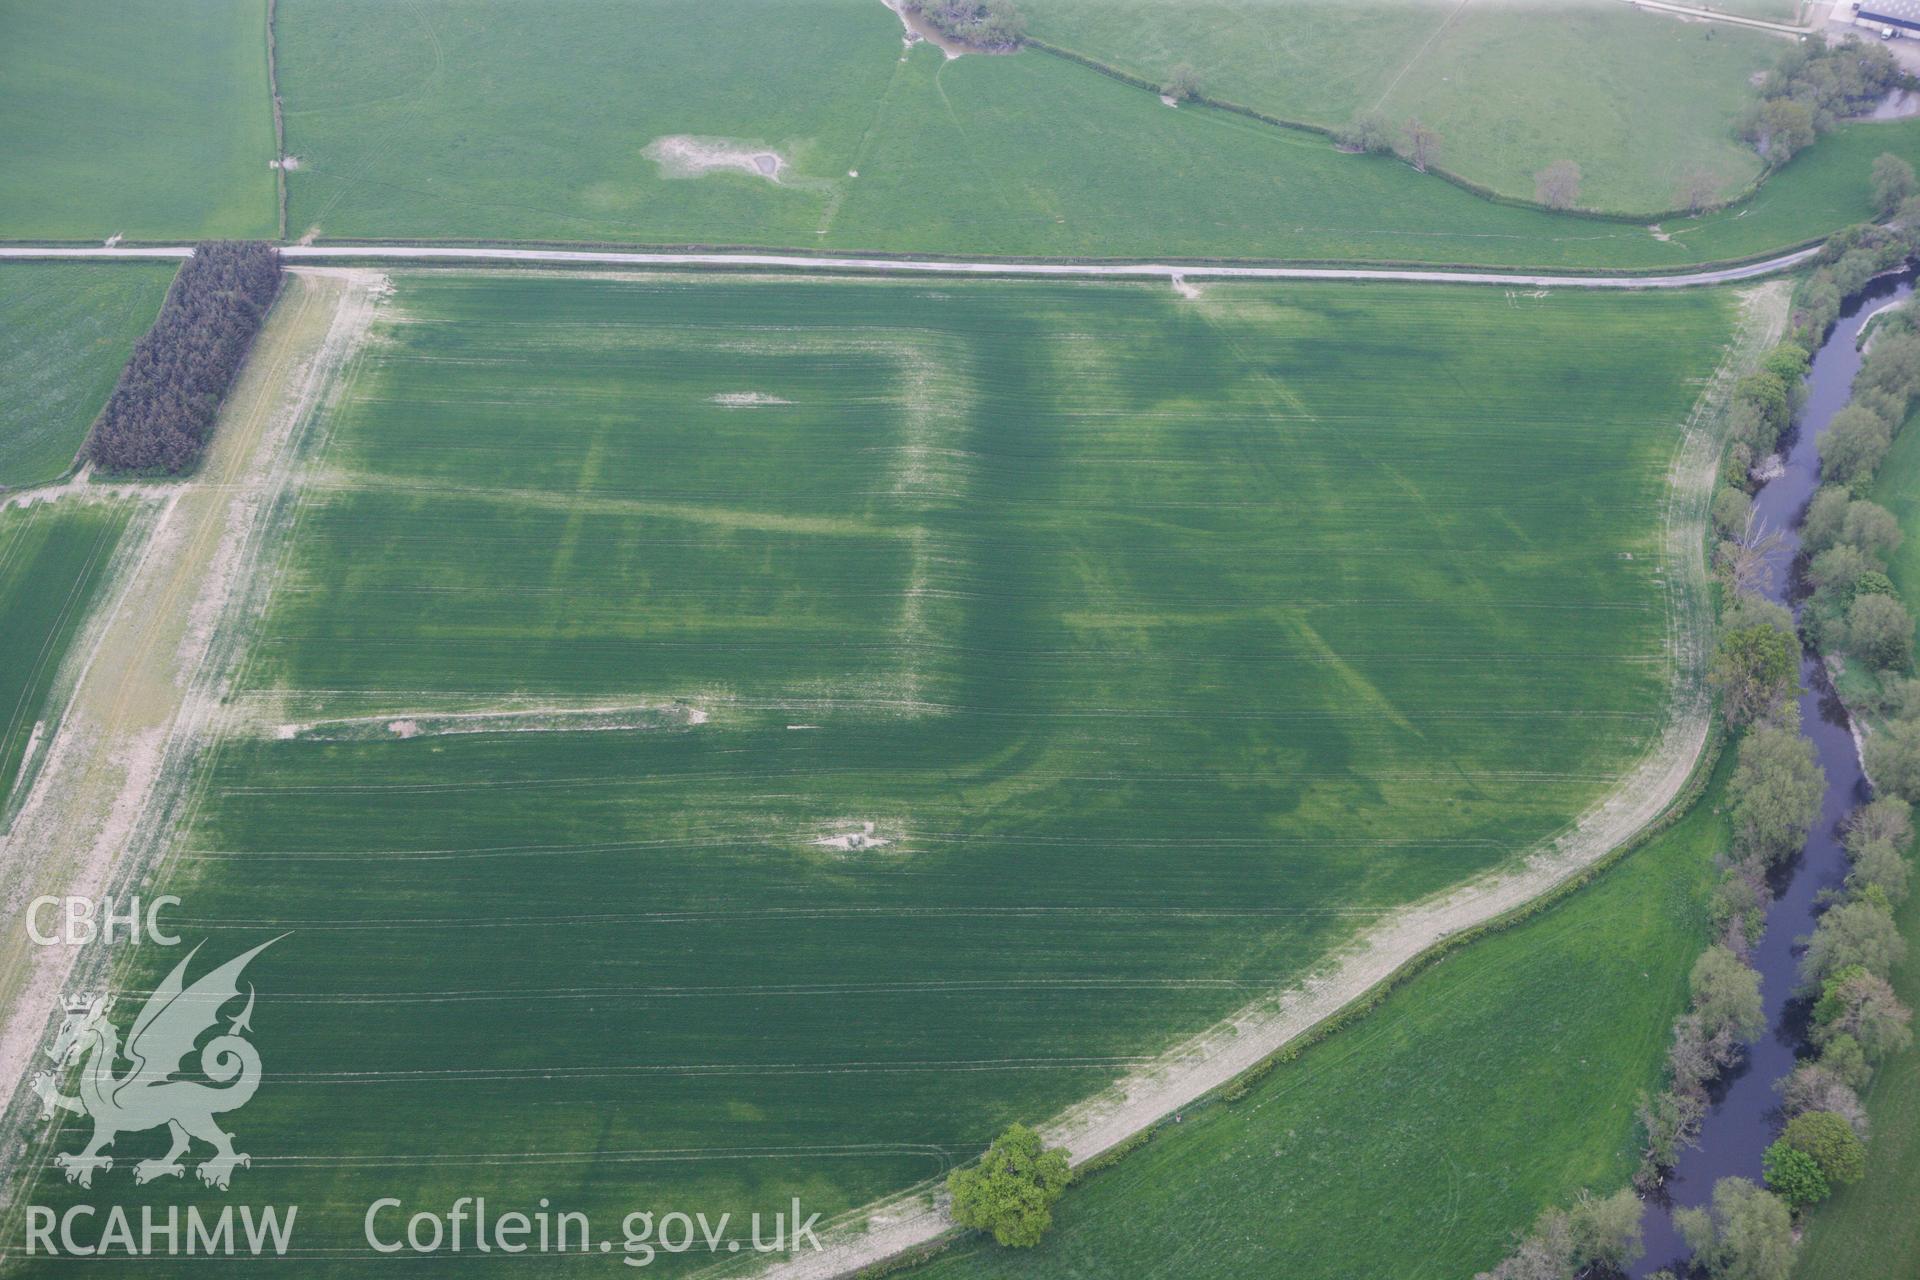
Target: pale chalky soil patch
pixel 149 670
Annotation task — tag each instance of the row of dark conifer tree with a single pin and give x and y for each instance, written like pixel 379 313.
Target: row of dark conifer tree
pixel 162 410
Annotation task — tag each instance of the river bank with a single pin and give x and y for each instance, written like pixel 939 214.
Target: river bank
pixel 1744 1114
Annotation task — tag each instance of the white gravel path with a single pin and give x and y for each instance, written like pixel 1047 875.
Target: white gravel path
pixel 935 266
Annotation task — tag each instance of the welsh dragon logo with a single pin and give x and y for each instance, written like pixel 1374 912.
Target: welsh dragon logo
pixel 149 1095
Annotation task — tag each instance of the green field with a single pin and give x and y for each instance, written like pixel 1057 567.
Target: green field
pixel 53 562
pixel 1414 1143
pixel 65 331
pixel 1164 642
pixel 140 118
pixel 478 119
pixel 1897 488
pixel 1868 1229
pixel 1638 100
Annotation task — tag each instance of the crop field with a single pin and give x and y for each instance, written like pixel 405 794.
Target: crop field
pixel 1637 99
pixel 719 741
pixel 53 561
pixel 143 118
pixel 475 119
pixel 64 334
pixel 1413 1143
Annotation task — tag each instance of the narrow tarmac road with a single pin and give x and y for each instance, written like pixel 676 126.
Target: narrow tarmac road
pixel 934 266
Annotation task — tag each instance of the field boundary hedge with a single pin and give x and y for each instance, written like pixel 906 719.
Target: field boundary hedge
pixel 279 124
pixel 1446 175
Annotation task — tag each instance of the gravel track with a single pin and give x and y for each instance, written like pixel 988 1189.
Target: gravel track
pixel 426 254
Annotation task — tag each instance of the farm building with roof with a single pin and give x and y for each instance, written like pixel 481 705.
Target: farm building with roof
pixel 1902 14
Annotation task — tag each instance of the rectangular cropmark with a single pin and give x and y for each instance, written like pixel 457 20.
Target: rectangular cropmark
pixel 716 741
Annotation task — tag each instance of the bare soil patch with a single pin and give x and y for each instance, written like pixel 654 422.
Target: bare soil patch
pixel 428 724
pixel 684 156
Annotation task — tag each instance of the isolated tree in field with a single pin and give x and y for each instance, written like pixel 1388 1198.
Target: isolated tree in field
pixel 1754 669
pixel 1012 1190
pixel 1893 758
pixel 1776 789
pixel 1422 144
pixel 1747 1234
pixel 1726 995
pixel 1182 83
pixel 1369 131
pixel 1833 1144
pixel 1558 185
pixel 1881 631
pixel 1893 182
pixel 1697 190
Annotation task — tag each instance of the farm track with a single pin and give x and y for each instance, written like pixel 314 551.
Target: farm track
pixel 1191 1070
pixel 148 667
pixel 788 263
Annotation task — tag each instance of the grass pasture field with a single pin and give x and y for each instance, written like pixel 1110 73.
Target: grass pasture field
pixel 1637 99
pixel 53 563
pixel 64 335
pixel 1163 643
pixel 1413 1143
pixel 1866 1227
pixel 142 118
pixel 480 119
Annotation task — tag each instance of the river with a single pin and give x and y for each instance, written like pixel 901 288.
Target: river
pixel 1744 1117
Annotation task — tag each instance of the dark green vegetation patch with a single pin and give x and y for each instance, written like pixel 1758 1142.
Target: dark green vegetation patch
pixel 163 407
